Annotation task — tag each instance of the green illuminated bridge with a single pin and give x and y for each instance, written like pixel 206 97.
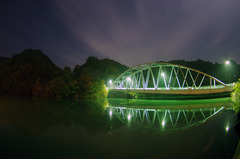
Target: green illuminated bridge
pixel 166 78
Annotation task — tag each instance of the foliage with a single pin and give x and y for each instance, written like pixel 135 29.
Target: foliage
pixel 67 74
pixel 98 90
pixel 27 73
pixel 56 88
pixel 31 73
pixel 3 60
pixel 86 86
pixel 104 69
pixel 235 96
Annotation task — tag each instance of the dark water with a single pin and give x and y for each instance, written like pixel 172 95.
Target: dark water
pixel 117 129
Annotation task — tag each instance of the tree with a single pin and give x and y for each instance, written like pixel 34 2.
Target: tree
pixel 98 90
pixel 104 69
pixel 27 74
pixel 235 96
pixel 56 88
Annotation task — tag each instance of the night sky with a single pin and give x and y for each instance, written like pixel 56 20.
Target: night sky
pixel 128 31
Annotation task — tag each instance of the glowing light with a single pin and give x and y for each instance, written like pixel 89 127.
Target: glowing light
pixel 129 117
pixel 227 62
pixel 163 74
pixel 227 128
pixel 110 82
pixel 107 88
pixel 163 123
pixel 110 113
pixel 128 79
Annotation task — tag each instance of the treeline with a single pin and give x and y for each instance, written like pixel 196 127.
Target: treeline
pixel 104 69
pixel 236 96
pixel 33 74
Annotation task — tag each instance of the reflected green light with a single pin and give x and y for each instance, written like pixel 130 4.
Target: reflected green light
pixel 227 128
pixel 155 118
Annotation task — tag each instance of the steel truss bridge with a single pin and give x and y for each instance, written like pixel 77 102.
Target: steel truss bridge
pixel 166 78
pixel 163 120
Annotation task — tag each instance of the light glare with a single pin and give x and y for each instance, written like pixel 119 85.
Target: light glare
pixel 227 128
pixel 163 123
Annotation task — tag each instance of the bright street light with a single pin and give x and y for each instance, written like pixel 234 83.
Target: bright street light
pixel 128 79
pixel 163 123
pixel 227 128
pixel 227 62
pixel 129 117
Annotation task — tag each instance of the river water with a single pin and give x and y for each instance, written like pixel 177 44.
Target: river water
pixel 117 128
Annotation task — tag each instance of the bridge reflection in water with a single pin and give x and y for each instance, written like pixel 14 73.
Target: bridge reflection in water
pixel 165 119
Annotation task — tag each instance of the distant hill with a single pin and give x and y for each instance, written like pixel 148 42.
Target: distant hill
pixel 3 60
pixel 32 74
pixel 27 71
pixel 105 69
pixel 32 57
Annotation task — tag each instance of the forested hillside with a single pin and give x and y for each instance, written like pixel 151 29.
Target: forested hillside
pixel 3 60
pixel 31 73
pixel 104 69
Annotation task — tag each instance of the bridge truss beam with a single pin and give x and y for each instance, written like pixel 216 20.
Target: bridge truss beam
pixel 165 76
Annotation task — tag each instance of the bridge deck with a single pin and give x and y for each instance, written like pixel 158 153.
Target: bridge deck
pixel 178 91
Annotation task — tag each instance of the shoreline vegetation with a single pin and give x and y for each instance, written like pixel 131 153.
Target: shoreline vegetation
pixel 32 74
pixel 235 96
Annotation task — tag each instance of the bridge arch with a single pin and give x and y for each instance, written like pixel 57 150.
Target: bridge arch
pixel 161 76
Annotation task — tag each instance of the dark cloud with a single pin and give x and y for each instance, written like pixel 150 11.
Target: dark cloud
pixel 141 31
pixel 136 31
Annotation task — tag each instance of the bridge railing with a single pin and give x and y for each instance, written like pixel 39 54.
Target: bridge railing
pixel 173 88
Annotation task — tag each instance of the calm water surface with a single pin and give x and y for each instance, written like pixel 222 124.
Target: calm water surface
pixel 117 128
